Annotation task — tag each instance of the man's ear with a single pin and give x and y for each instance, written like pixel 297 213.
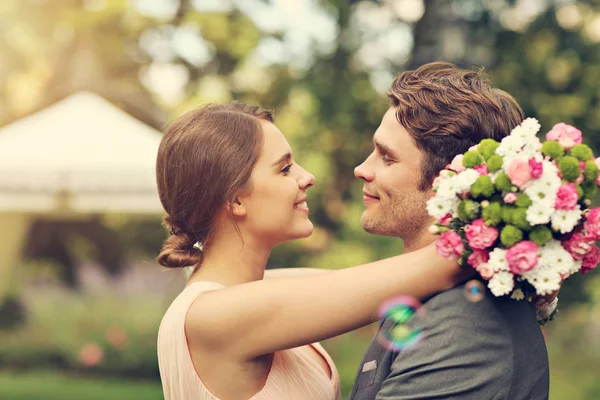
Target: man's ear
pixel 238 207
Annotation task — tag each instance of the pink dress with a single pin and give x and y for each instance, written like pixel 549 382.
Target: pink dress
pixel 294 375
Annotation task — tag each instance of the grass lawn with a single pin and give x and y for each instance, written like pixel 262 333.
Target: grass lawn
pixel 54 386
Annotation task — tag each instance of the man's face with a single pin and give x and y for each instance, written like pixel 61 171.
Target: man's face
pixel 394 206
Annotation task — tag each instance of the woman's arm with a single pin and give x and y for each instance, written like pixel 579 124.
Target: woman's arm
pixel 293 272
pixel 261 317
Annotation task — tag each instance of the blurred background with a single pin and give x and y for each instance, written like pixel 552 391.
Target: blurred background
pixel 86 86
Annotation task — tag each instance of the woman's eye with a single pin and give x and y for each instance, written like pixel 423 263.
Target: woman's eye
pixel 287 169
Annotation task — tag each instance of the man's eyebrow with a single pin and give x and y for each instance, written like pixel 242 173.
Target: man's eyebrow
pixel 383 149
pixel 283 158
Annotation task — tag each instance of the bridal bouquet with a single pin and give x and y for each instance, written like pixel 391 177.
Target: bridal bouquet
pixel 518 211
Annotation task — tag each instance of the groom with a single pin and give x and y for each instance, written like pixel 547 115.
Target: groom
pixel 475 350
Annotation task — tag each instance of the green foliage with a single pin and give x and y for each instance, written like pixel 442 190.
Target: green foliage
pixel 510 235
pixel 569 168
pixel 519 219
pixel 590 189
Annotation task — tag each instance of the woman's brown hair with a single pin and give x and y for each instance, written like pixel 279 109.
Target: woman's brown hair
pixel 204 161
pixel 447 109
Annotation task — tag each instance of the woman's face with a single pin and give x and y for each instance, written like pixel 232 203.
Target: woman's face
pixel 275 207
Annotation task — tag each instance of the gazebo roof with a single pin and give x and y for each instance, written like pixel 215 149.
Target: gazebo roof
pixel 82 154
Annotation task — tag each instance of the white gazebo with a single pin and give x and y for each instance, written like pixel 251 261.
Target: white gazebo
pixel 80 157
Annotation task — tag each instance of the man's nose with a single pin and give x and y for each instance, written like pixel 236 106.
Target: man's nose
pixel 364 172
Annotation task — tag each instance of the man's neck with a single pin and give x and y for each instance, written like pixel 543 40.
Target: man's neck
pixel 425 238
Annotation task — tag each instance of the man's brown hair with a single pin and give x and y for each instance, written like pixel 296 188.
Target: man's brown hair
pixel 447 109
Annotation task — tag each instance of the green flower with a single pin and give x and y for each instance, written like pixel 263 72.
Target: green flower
pixel 471 159
pixel 510 235
pixel 494 163
pixel 468 210
pixel 590 172
pixel 483 186
pixel 589 190
pixel 503 182
pixel 582 152
pixel 523 200
pixel 540 234
pixel 487 148
pixel 507 212
pixel 492 214
pixel 519 219
pixel 553 149
pixel 569 168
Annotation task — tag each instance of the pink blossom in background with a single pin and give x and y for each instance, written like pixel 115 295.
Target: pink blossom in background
pixel 591 260
pixel 536 167
pixel 478 257
pixel 479 235
pixel 519 173
pixel 566 198
pixel 578 245
pixel 91 355
pixel 592 223
pixel 445 173
pixel 481 169
pixel 510 198
pixel 522 257
pixel 567 135
pixel 457 164
pixel 486 271
pixel 449 244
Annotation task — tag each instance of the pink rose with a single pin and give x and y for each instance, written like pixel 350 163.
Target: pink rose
pixel 591 260
pixel 536 168
pixel 486 271
pixel 566 198
pixel 479 235
pixel 522 257
pixel 578 245
pixel 592 223
pixel 457 164
pixel 567 135
pixel 510 198
pixel 449 244
pixel 519 173
pixel 478 257
pixel 481 169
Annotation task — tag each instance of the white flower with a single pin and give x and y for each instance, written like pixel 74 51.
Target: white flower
pixel 532 147
pixel 522 133
pixel 565 220
pixel 517 295
pixel 539 212
pixel 448 188
pixel 547 281
pixel 439 206
pixel 498 260
pixel 553 256
pixel 466 179
pixel 575 267
pixel 510 145
pixel 501 283
pixel 531 125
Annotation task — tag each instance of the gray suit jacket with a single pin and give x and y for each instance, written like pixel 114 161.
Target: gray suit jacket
pixel 492 349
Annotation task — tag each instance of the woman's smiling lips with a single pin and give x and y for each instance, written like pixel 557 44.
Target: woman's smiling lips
pixel 301 206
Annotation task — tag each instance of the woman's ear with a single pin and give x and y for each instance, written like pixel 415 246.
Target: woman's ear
pixel 238 207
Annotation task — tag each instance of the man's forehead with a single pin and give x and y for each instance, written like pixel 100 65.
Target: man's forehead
pixel 392 134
